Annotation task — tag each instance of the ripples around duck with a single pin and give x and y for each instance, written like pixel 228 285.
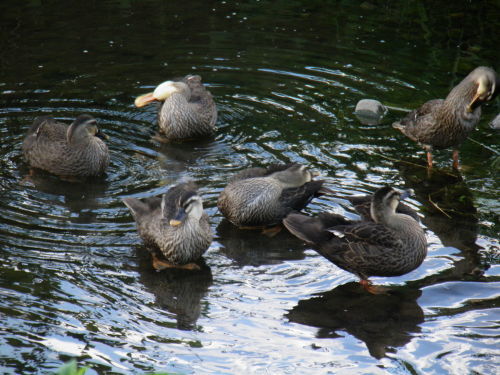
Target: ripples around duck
pixel 76 280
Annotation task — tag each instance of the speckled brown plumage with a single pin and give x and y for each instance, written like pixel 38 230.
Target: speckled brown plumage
pixel 70 151
pixel 264 196
pixel 174 224
pixel 447 123
pixel 189 111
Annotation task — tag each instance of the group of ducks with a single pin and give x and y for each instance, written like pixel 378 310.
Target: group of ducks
pixel 387 241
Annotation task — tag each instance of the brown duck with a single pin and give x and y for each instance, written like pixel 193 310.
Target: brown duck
pixel 188 109
pixel 447 123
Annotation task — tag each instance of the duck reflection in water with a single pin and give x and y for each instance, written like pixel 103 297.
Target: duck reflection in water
pixel 447 204
pixel 390 321
pixel 176 156
pixel 248 248
pixel 81 198
pixel 449 212
pixel 178 291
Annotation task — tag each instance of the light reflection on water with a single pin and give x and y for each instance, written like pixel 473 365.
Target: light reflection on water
pixel 75 279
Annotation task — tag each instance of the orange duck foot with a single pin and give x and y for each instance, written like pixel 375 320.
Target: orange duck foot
pixel 373 289
pixel 456 165
pixel 160 264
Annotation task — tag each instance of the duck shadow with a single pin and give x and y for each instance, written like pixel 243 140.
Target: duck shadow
pixel 178 291
pixel 253 248
pixel 176 155
pixel 390 322
pixel 447 205
pixel 449 212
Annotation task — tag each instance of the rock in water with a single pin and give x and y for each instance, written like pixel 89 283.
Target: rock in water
pixel 370 111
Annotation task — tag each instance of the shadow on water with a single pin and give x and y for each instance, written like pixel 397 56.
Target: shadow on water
pixel 79 197
pixel 180 292
pixel 253 248
pixel 449 212
pixel 447 204
pixel 383 322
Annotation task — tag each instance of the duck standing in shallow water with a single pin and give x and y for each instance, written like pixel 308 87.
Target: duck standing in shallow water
pixel 188 109
pixel 73 151
pixel 393 244
pixel 447 123
pixel 174 226
pixel 261 197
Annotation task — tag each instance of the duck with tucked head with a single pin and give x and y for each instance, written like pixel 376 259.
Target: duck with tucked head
pixel 390 244
pixel 188 109
pixel 261 197
pixel 68 151
pixel 447 123
pixel 175 227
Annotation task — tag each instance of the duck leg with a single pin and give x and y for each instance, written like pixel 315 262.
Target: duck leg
pixel 455 159
pixel 429 159
pixel 160 264
pixel 373 289
pixel 272 231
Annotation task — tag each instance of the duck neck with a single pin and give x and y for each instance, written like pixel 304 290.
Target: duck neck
pixel 455 109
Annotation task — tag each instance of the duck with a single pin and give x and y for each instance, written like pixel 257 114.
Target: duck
pixel 444 123
pixel 390 244
pixel 188 109
pixel 174 226
pixel 74 151
pixel 262 197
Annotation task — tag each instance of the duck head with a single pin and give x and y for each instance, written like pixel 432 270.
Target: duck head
pixel 162 92
pixel 385 201
pixel 486 84
pixel 189 205
pixel 294 176
pixel 83 127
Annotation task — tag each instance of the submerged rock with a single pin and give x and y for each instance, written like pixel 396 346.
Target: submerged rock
pixel 495 123
pixel 370 111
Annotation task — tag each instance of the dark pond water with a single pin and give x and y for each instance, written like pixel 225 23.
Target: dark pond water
pixel 75 280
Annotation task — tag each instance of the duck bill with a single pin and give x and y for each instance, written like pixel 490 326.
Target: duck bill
pixel 407 193
pixel 102 135
pixel 178 219
pixel 473 104
pixel 145 99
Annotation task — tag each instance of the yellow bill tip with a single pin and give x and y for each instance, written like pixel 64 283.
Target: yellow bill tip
pixel 175 223
pixel 143 100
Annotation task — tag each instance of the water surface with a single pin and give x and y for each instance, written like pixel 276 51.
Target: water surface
pixel 75 279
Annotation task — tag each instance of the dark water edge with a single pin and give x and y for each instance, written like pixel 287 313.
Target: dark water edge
pixel 75 280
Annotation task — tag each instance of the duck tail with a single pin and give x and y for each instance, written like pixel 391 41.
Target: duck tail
pixel 136 207
pixel 313 230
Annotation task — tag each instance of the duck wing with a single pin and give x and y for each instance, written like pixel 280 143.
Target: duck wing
pixel 419 123
pixel 313 230
pixel 141 208
pixel 295 199
pixel 259 171
pixel 366 249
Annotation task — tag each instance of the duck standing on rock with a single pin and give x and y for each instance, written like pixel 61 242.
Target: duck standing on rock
pixel 175 227
pixel 74 151
pixel 188 109
pixel 262 197
pixel 447 123
pixel 392 244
